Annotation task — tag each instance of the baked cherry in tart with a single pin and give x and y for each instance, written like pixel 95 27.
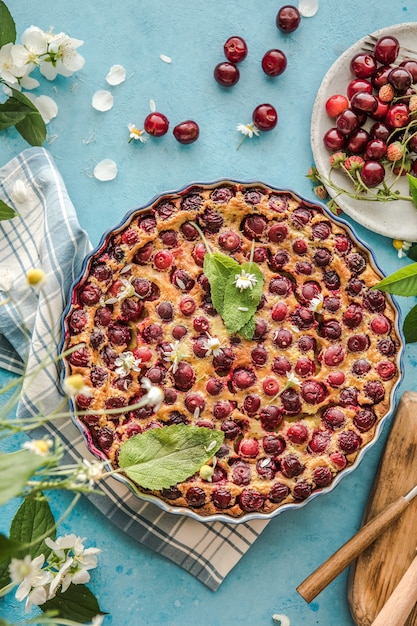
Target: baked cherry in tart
pixel 297 402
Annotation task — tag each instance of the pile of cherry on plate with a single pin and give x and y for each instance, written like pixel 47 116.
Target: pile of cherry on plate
pixel 375 123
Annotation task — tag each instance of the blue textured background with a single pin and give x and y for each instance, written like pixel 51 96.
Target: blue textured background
pixel 132 583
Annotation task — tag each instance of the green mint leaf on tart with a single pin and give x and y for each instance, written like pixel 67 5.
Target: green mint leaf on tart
pixel 412 181
pixel 218 268
pixel 403 282
pixel 410 325
pixel 163 457
pixel 242 295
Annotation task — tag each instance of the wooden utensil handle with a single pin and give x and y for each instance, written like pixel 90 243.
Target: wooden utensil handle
pixel 398 606
pixel 325 573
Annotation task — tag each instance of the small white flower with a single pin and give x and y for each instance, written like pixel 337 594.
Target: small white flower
pixel 74 385
pixel 31 578
pixel 136 134
pixel 116 75
pixel 244 280
pixel 125 363
pixel 10 72
pixel 154 395
pixel 213 346
pixel 105 170
pixel 39 446
pixel 292 380
pixel 94 471
pixel 316 303
pixel 72 560
pixel 402 247
pixel 102 100
pixel 248 130
pixel 173 355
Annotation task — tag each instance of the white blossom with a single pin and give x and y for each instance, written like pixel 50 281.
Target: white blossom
pixel 174 355
pixel 136 134
pixel 31 578
pixel 154 396
pixel 212 345
pixel 244 280
pixel 125 363
pixel 248 130
pixel 126 290
pixel 10 72
pixel 91 473
pixel 74 385
pixel 63 57
pixel 316 303
pixel 72 561
pixel 38 446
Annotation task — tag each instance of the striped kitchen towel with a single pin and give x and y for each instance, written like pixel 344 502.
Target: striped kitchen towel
pixel 46 234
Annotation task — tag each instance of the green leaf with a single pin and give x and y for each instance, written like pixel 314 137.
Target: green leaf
pixel 8 547
pixel 248 330
pixel 77 603
pixel 7 26
pixel 412 253
pixel 12 112
pixel 33 519
pixel 410 325
pixel 240 305
pixel 412 181
pixel 163 457
pixel 15 470
pixel 6 211
pixel 403 282
pixel 32 128
pixel 218 268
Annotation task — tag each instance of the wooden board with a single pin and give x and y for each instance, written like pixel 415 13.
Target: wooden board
pixel 380 567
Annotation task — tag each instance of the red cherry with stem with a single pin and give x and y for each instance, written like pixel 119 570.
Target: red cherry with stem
pixel 226 74
pixel 186 132
pixel 274 62
pixel 336 104
pixel 386 49
pixel 288 18
pixel 235 49
pixel 156 124
pixel 265 117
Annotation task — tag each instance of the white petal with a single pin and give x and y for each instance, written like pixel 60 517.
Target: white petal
pixel 165 58
pixel 47 107
pixel 102 100
pixel 105 170
pixel 152 105
pixel 48 70
pixel 27 82
pixel 116 75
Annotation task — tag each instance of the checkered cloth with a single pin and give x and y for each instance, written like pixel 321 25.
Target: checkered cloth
pixel 47 235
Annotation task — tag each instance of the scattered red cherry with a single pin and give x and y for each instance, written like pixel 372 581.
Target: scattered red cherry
pixel 156 124
pixel 336 104
pixel 226 74
pixel 186 132
pixel 274 62
pixel 288 18
pixel 265 117
pixel 235 49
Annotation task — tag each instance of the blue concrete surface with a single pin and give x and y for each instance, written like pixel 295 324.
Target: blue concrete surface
pixel 136 586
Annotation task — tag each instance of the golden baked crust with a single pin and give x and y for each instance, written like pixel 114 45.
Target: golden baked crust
pixel 297 402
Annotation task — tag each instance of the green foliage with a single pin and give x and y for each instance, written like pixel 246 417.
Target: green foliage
pixel 78 604
pixel 218 268
pixel 240 305
pixel 403 282
pixel 7 26
pixel 410 325
pixel 160 458
pixel 412 181
pixel 33 520
pixel 16 468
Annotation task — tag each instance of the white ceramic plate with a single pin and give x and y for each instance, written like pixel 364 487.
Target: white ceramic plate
pixel 396 219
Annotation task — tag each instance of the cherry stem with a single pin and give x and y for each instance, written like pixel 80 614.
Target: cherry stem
pixel 200 232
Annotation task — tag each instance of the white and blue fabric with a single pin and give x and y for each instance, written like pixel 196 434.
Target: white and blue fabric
pixel 46 235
